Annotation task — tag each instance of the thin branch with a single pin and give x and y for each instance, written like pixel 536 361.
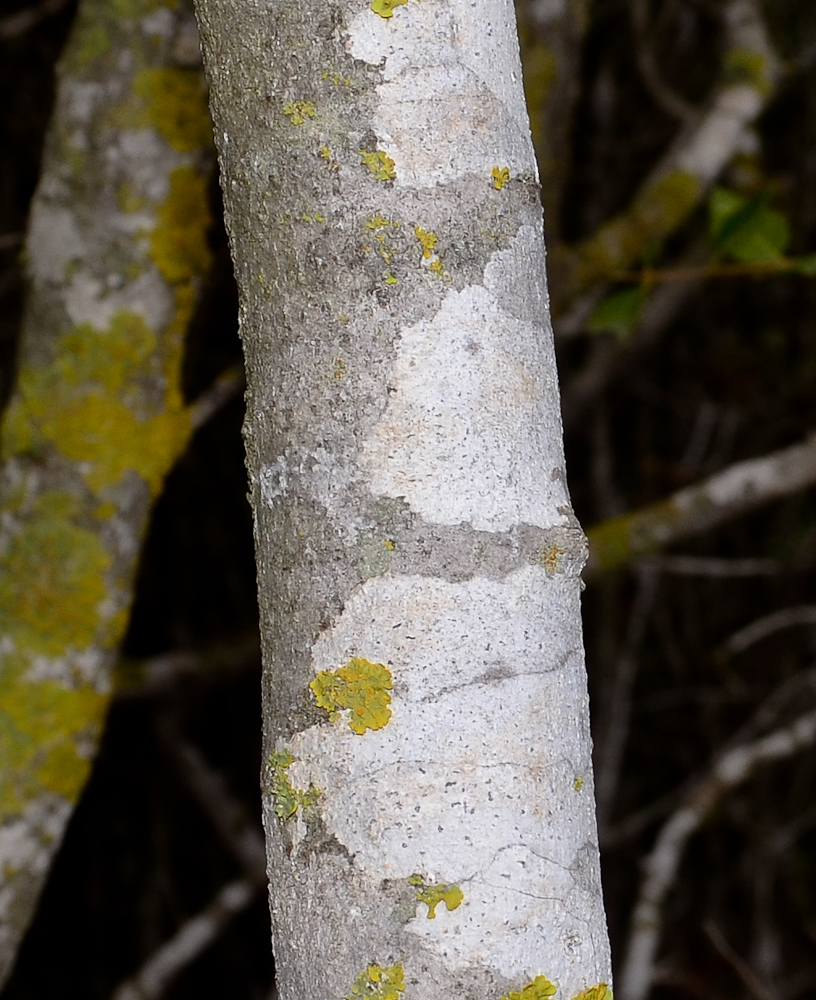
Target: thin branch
pixel 663 95
pixel 685 174
pixel 740 488
pixel 618 712
pixel 155 675
pixel 244 841
pixel 9 240
pixel 225 812
pixel 661 866
pixel 191 940
pixel 749 978
pixel 24 20
pixel 803 614
pixel 710 566
pixel 226 387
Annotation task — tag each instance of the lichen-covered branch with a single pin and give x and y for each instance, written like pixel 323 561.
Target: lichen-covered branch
pixel 424 692
pixel 695 509
pixel 688 169
pixel 661 865
pixel 116 248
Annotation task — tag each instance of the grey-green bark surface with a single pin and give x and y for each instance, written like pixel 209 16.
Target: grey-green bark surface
pixel 425 707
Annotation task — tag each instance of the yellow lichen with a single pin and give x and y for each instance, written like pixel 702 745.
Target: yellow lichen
pixel 501 176
pixel 174 101
pixel 433 895
pixel 378 983
pixel 385 8
pixel 390 279
pixel 298 111
pixel 551 558
pixel 599 992
pixel 578 783
pixel 361 687
pixel 427 241
pixel 539 989
pixel 90 405
pixel 178 243
pixel 379 164
pixel 288 799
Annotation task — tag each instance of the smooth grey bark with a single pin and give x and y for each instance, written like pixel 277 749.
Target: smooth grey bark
pixel 428 797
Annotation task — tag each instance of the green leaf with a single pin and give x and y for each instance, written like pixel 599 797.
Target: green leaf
pixel 746 230
pixel 619 312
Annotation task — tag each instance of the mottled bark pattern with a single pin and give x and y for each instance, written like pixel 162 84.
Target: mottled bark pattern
pixel 411 513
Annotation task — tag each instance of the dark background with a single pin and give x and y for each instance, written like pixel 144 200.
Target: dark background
pixel 731 377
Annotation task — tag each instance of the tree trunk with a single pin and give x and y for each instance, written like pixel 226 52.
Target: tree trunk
pixel 428 799
pixel 116 249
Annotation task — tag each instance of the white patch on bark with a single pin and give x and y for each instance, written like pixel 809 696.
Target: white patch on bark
pixel 87 301
pixel 451 70
pixel 472 780
pixel 471 431
pixel 53 242
pixel 27 846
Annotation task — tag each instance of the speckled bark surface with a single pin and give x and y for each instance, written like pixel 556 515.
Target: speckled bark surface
pixel 417 555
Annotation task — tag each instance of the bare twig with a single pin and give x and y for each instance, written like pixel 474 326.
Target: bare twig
pixel 661 866
pixel 9 240
pixel 224 811
pixel 191 940
pixel 803 614
pixel 155 675
pixel 244 841
pixel 618 711
pixel 662 94
pixel 710 566
pixel 24 20
pixel 228 385
pixel 695 509
pixel 749 978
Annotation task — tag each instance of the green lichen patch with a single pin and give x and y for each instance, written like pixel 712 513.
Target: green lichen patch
pixel 578 783
pixel 385 8
pixel 379 164
pixel 434 894
pixel 52 581
pixel 360 686
pixel 90 404
pixel 599 992
pixel 40 723
pixel 378 983
pixel 298 111
pixel 501 177
pixel 539 989
pixel 288 799
pixel 178 243
pixel 745 66
pixel 174 102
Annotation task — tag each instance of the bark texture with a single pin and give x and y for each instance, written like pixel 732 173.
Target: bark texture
pixel 115 249
pixel 428 799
